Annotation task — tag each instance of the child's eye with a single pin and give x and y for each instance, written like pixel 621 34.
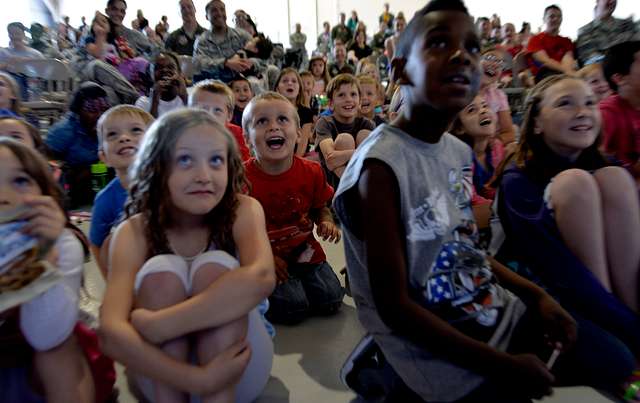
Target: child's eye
pixel 137 130
pixel 22 181
pixel 590 102
pixel 184 161
pixel 261 121
pixel 437 43
pixel 111 135
pixel 283 118
pixel 217 161
pixel 474 49
pixel 563 102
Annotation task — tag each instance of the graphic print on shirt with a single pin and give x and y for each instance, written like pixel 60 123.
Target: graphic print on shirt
pixel 283 212
pixel 460 284
pixel 429 220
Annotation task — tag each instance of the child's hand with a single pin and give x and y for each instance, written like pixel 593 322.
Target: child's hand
pixel 559 327
pixel 143 320
pixel 328 231
pixel 530 375
pixel 282 272
pixel 226 368
pixel 182 86
pixel 46 220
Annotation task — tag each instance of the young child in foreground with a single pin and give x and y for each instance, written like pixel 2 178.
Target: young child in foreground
pixel 437 306
pixel 179 309
pixel 42 358
pixel 294 194
pixel 120 131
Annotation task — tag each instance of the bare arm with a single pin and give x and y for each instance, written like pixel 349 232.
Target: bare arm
pixel 507 131
pixel 385 254
pixel 305 136
pixel 238 291
pixel 542 57
pixel 334 159
pixel 96 49
pixel 120 341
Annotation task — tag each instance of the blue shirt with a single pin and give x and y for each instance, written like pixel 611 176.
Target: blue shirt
pixel 107 211
pixel 70 141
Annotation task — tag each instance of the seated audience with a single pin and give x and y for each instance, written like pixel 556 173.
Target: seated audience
pixel 594 76
pixel 550 52
pixel 621 111
pixel 120 131
pixel 216 98
pixel 181 40
pixel 294 195
pixel 73 140
pixel 338 135
pixel 603 32
pixel 169 89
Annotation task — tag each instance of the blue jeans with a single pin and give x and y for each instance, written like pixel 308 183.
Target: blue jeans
pixel 311 289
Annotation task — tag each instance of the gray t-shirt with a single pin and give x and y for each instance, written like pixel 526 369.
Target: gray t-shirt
pixel 447 274
pixel 327 127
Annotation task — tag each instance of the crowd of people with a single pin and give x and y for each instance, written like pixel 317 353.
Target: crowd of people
pixel 492 252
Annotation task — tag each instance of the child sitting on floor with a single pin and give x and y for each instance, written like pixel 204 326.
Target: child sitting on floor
pixel 454 324
pixel 188 267
pixel 216 98
pixel 294 195
pixel 42 341
pixel 120 131
pixel 338 135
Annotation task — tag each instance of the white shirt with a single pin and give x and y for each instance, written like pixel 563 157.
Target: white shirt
pixel 163 106
pixel 47 320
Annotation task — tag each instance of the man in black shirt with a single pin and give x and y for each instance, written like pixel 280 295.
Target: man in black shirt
pixel 181 40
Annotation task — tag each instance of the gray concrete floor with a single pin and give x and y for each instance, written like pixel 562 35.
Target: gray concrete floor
pixel 308 357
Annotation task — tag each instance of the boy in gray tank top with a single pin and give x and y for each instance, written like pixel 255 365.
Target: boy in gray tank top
pixel 436 305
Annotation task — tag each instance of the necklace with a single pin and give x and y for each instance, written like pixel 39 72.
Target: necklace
pixel 188 259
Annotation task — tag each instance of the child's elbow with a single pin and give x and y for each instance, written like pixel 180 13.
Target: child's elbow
pixel 266 279
pixel 108 337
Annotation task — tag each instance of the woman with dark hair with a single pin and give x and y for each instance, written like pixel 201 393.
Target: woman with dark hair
pixel 73 140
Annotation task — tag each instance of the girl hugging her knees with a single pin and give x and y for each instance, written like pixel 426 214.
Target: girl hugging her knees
pixel 572 221
pixel 188 267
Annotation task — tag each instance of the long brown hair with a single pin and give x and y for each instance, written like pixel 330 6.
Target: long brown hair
pixel 150 176
pixel 532 154
pixel 289 70
pixel 34 165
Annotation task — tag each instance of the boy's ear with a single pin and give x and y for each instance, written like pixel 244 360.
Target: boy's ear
pixel 398 72
pixel 102 156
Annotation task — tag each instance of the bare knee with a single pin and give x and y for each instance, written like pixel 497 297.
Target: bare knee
pixel 574 186
pixel 617 187
pixel 207 274
pixel 343 142
pixel 159 290
pixel 361 136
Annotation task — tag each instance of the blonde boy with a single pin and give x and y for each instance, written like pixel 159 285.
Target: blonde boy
pixel 120 130
pixel 294 194
pixel 371 94
pixel 338 135
pixel 217 98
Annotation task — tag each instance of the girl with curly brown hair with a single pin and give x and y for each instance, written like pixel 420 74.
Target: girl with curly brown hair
pixel 188 267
